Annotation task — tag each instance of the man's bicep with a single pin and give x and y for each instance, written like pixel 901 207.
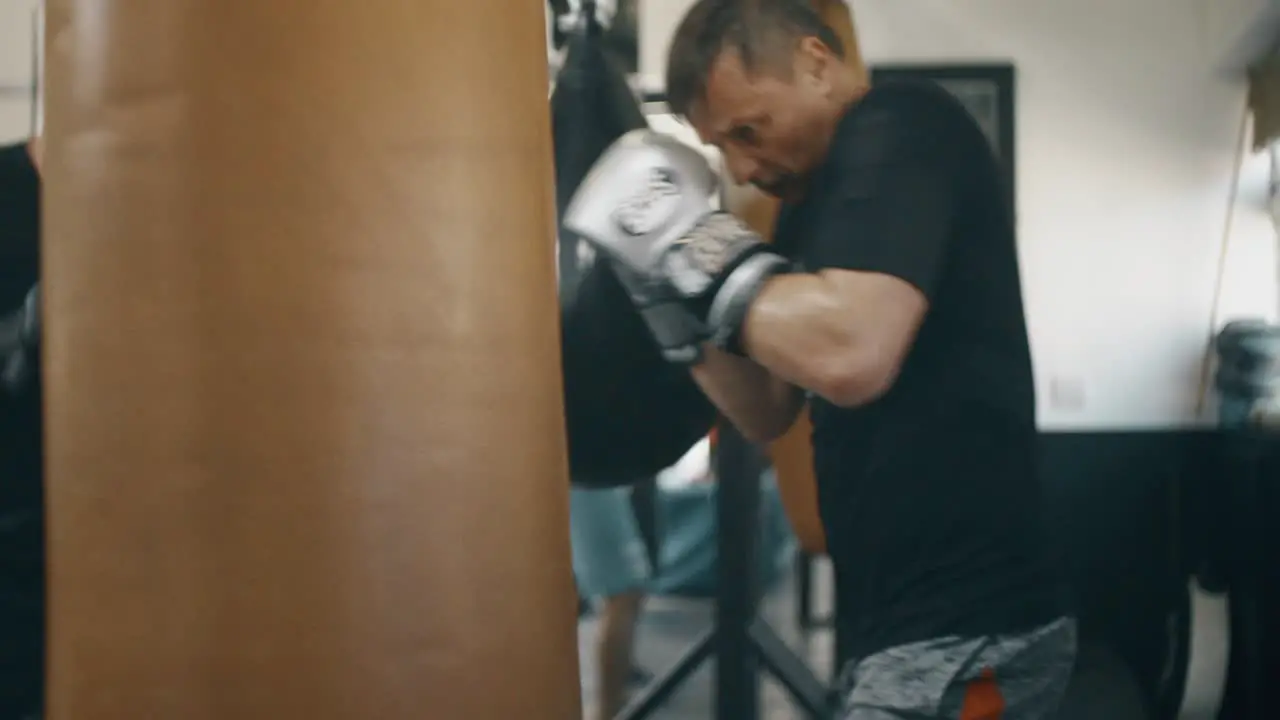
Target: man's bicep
pixel 892 311
pixel 893 218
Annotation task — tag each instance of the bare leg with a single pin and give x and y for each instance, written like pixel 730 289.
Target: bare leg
pixel 611 563
pixel 615 650
pixel 614 647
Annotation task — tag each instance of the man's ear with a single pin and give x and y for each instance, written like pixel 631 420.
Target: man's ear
pixel 810 45
pixel 839 17
pixel 814 60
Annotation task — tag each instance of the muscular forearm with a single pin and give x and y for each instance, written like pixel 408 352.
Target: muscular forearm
pixel 761 406
pixel 809 331
pixel 798 334
pixel 797 329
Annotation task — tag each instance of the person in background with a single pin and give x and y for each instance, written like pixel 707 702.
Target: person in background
pixel 21 458
pixel 611 564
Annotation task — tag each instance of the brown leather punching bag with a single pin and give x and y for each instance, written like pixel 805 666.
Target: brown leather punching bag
pixel 792 454
pixel 305 435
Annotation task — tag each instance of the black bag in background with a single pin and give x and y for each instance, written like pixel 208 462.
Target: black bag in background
pixel 630 414
pixel 22 538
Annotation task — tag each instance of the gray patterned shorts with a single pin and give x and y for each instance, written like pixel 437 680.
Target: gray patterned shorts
pixel 997 677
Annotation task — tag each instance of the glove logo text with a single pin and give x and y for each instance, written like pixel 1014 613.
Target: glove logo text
pixel 652 207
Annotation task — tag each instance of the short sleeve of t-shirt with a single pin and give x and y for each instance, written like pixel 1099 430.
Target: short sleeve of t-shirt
pixel 887 197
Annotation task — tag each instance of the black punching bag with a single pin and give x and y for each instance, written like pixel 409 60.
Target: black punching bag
pixel 630 414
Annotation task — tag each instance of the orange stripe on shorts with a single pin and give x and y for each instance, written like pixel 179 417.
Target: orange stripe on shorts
pixel 982 699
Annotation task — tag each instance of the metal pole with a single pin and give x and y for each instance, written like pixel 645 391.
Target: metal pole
pixel 738 508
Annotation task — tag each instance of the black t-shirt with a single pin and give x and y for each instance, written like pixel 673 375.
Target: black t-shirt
pixel 928 494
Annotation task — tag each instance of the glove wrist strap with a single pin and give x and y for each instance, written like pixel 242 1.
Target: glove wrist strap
pixel 728 312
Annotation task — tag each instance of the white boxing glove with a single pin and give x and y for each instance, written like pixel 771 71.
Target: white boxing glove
pixel 691 270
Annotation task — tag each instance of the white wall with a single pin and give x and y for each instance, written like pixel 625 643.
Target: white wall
pixel 15 68
pixel 1126 141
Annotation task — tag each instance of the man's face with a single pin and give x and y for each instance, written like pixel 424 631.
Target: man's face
pixel 771 124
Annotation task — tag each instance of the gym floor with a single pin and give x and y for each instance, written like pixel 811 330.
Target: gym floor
pixel 671 625
pixel 1100 690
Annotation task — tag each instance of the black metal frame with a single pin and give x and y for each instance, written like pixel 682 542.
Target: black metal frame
pixel 740 642
pixel 1002 75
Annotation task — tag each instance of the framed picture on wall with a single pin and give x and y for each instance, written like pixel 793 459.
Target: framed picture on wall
pixel 987 91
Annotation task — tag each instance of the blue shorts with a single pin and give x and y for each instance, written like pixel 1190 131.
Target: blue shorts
pixel 609 554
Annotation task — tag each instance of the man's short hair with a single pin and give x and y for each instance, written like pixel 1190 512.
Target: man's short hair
pixel 760 31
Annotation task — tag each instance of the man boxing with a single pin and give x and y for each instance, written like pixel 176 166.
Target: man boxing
pixel 891 299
